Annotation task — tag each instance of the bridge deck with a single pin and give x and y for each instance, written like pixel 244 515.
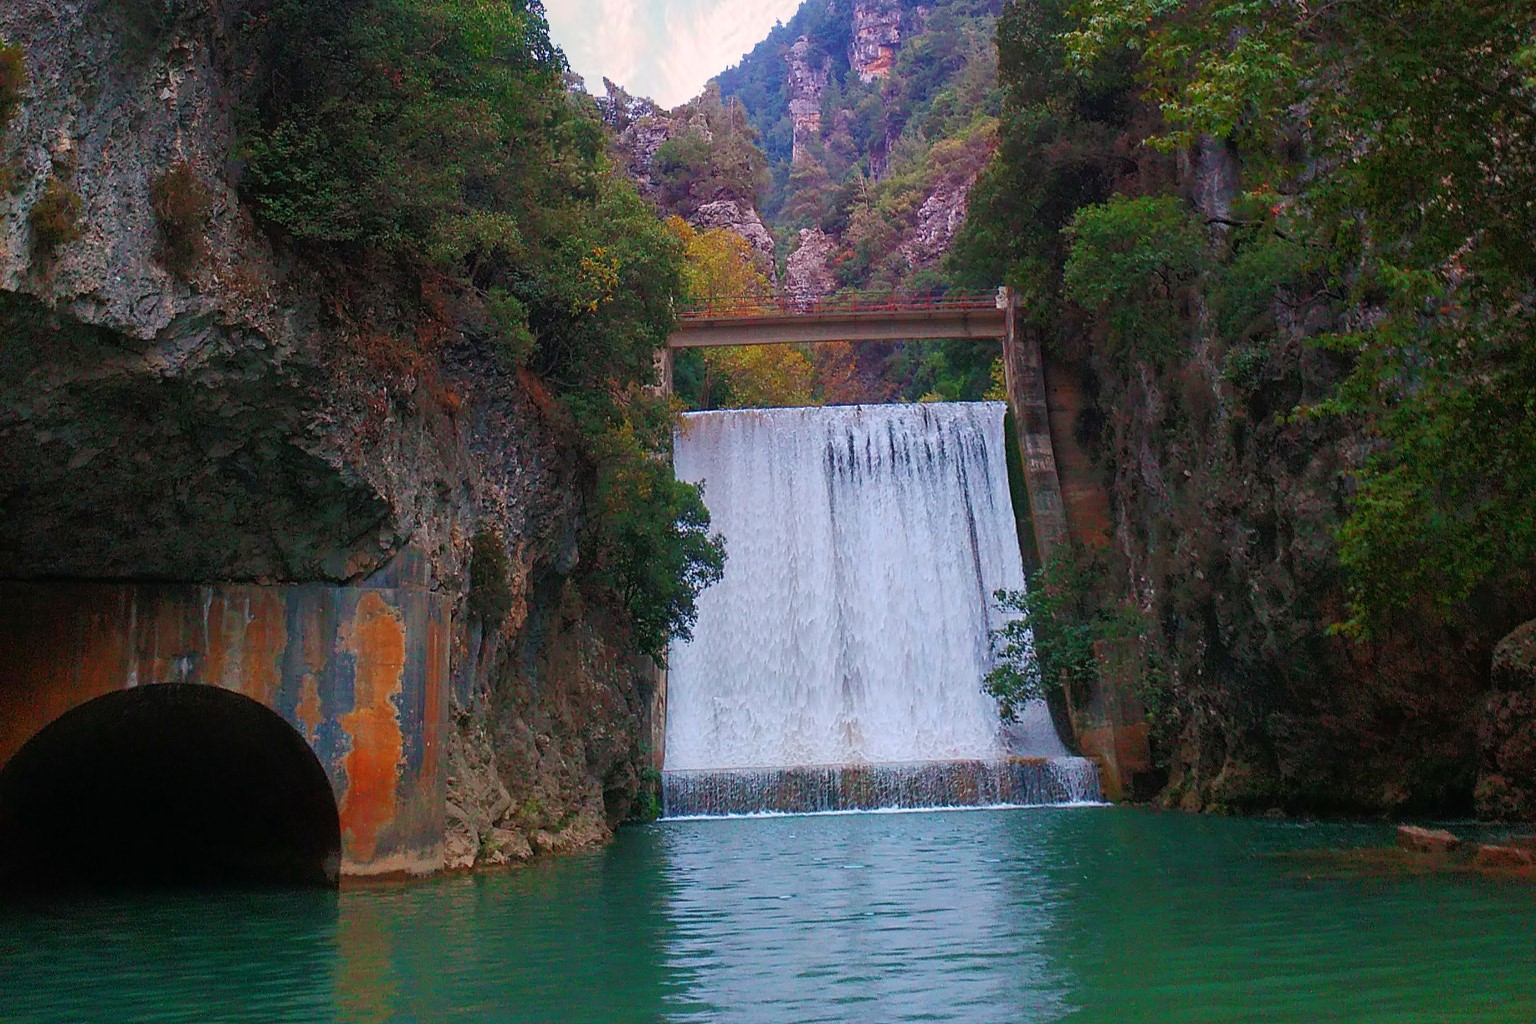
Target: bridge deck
pixel 886 318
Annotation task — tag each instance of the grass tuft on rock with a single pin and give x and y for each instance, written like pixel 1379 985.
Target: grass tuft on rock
pixel 55 218
pixel 181 202
pixel 13 82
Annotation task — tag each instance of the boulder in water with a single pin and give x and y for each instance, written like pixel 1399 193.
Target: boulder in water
pixel 1506 784
pixel 1502 856
pixel 1426 840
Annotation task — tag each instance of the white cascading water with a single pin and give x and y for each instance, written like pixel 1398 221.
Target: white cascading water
pixel 864 545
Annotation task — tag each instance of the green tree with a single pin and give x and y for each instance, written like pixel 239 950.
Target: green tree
pixel 1133 262
pixel 1420 116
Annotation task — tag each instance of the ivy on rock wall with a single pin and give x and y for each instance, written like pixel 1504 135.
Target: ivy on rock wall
pixel 1421 118
pixel 1285 251
pixel 438 136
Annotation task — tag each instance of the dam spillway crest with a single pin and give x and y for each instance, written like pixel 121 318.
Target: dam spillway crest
pixel 838 664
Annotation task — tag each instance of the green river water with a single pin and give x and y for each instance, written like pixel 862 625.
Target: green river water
pixel 1083 914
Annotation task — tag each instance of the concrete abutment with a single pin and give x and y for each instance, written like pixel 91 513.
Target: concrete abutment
pixel 359 673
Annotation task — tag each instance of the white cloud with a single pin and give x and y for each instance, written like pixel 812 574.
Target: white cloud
pixel 664 49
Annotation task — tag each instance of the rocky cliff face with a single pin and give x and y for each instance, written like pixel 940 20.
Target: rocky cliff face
pixel 1225 516
pixel 809 73
pixel 876 38
pixel 937 223
pixel 808 273
pixel 699 192
pixel 188 398
pixel 216 421
pixel 744 220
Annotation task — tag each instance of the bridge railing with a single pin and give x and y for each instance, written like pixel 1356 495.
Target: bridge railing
pixel 747 306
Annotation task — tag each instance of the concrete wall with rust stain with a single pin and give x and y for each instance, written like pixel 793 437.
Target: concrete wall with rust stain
pixel 1084 489
pixel 360 672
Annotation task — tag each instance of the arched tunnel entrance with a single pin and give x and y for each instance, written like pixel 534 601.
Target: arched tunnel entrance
pixel 167 785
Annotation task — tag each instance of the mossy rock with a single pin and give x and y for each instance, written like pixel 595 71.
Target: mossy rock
pixel 1514 660
pixel 1506 784
pixel 1498 798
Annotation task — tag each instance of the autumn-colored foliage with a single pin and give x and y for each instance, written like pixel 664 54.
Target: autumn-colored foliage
pixel 181 202
pixel 719 264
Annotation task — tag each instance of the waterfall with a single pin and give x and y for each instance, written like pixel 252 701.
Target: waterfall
pixel 864 546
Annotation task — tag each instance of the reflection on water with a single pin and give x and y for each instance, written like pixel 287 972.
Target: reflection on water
pixel 1089 916
pixel 878 917
pixel 240 957
pixel 366 991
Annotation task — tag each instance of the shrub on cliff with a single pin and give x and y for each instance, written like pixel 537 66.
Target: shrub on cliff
pixel 490 589
pixel 1133 262
pixel 55 218
pixel 181 202
pixel 655 548
pixel 13 82
pixel 1046 649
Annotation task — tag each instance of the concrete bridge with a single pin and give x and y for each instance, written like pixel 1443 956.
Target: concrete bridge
pixel 270 733
pixel 1068 499
pixel 895 317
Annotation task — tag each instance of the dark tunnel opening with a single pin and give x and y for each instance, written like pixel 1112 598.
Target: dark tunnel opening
pixel 167 785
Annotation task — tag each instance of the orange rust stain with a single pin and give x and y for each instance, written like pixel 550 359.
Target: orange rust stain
pixel 309 710
pixel 266 636
pixel 376 637
pixel 59 647
pixel 215 641
pixel 161 648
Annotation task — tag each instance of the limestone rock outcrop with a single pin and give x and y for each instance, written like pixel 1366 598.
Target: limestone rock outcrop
pixel 808 271
pixel 1514 661
pixel 876 38
pixel 809 73
pixel 1497 857
pixel 1426 840
pixel 639 142
pixel 939 220
pixel 745 221
pixel 210 422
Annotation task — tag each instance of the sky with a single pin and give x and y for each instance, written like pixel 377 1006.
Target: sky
pixel 663 49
